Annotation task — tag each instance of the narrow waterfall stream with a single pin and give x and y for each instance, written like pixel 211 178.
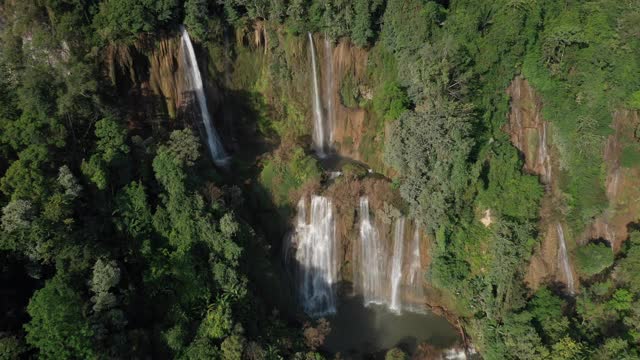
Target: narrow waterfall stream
pixel 563 258
pixel 319 131
pixel 373 261
pixel 195 81
pixel 415 275
pixel 396 265
pixel 315 242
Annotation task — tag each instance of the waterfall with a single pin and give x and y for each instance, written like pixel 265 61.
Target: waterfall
pixel 415 265
pixel 396 264
pixel 543 155
pixel 316 257
pixel 372 259
pixel 564 259
pixel 318 118
pixel 195 81
pixel 328 87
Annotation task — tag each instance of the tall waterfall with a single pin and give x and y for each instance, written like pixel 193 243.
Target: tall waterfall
pixel 396 264
pixel 315 253
pixel 414 278
pixel 563 258
pixel 328 86
pixel 195 81
pixel 372 259
pixel 319 140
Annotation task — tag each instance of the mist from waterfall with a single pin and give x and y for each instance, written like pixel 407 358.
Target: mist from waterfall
pixel 373 260
pixel 319 141
pixel 315 253
pixel 396 264
pixel 195 81
pixel 563 258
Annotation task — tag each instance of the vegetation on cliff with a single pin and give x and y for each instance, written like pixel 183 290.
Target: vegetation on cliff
pixel 134 245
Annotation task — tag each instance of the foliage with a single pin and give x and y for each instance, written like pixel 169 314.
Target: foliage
pixel 285 173
pixel 58 327
pixel 430 150
pixel 124 19
pixel 395 354
pixel 593 258
pixel 390 101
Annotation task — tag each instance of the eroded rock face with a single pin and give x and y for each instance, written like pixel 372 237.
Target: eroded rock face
pixel 150 75
pixel 528 131
pixel 531 134
pixel 621 184
pixel 338 62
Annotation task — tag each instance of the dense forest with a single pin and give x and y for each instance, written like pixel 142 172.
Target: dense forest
pixel 508 131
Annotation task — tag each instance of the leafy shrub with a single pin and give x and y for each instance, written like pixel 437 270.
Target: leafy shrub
pixel 630 156
pixel 593 258
pixel 390 101
pixel 282 175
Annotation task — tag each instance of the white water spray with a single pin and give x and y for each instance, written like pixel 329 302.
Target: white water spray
pixel 316 256
pixel 373 269
pixel 319 141
pixel 195 80
pixel 396 265
pixel 415 266
pixel 563 258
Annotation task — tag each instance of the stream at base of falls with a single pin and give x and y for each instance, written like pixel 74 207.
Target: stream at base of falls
pixel 357 330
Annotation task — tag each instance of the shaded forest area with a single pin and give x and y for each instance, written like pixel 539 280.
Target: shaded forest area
pixel 122 240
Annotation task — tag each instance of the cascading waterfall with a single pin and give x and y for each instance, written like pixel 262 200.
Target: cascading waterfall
pixel 543 154
pixel 372 259
pixel 564 259
pixel 328 86
pixel 414 278
pixel 195 80
pixel 315 253
pixel 396 265
pixel 319 141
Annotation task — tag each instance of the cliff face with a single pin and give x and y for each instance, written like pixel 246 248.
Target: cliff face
pixel 150 74
pixel 532 135
pixel 621 184
pixel 343 61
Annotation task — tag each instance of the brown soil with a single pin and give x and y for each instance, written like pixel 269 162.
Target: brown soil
pixel 622 184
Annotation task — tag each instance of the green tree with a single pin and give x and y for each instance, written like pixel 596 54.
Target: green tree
pixel 593 258
pixel 232 347
pixel 58 327
pixel 430 149
pixel 396 354
pixel 184 146
pixel 361 33
pixel 196 13
pixel 112 138
pixel 16 215
pixel 125 19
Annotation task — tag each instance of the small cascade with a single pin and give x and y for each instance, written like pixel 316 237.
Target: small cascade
pixel 373 264
pixel 414 278
pixel 564 259
pixel 319 141
pixel 315 252
pixel 328 86
pixel 396 265
pixel 544 160
pixel 195 81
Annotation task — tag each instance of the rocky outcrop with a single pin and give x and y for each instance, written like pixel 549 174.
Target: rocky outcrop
pixel 531 134
pixel 623 190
